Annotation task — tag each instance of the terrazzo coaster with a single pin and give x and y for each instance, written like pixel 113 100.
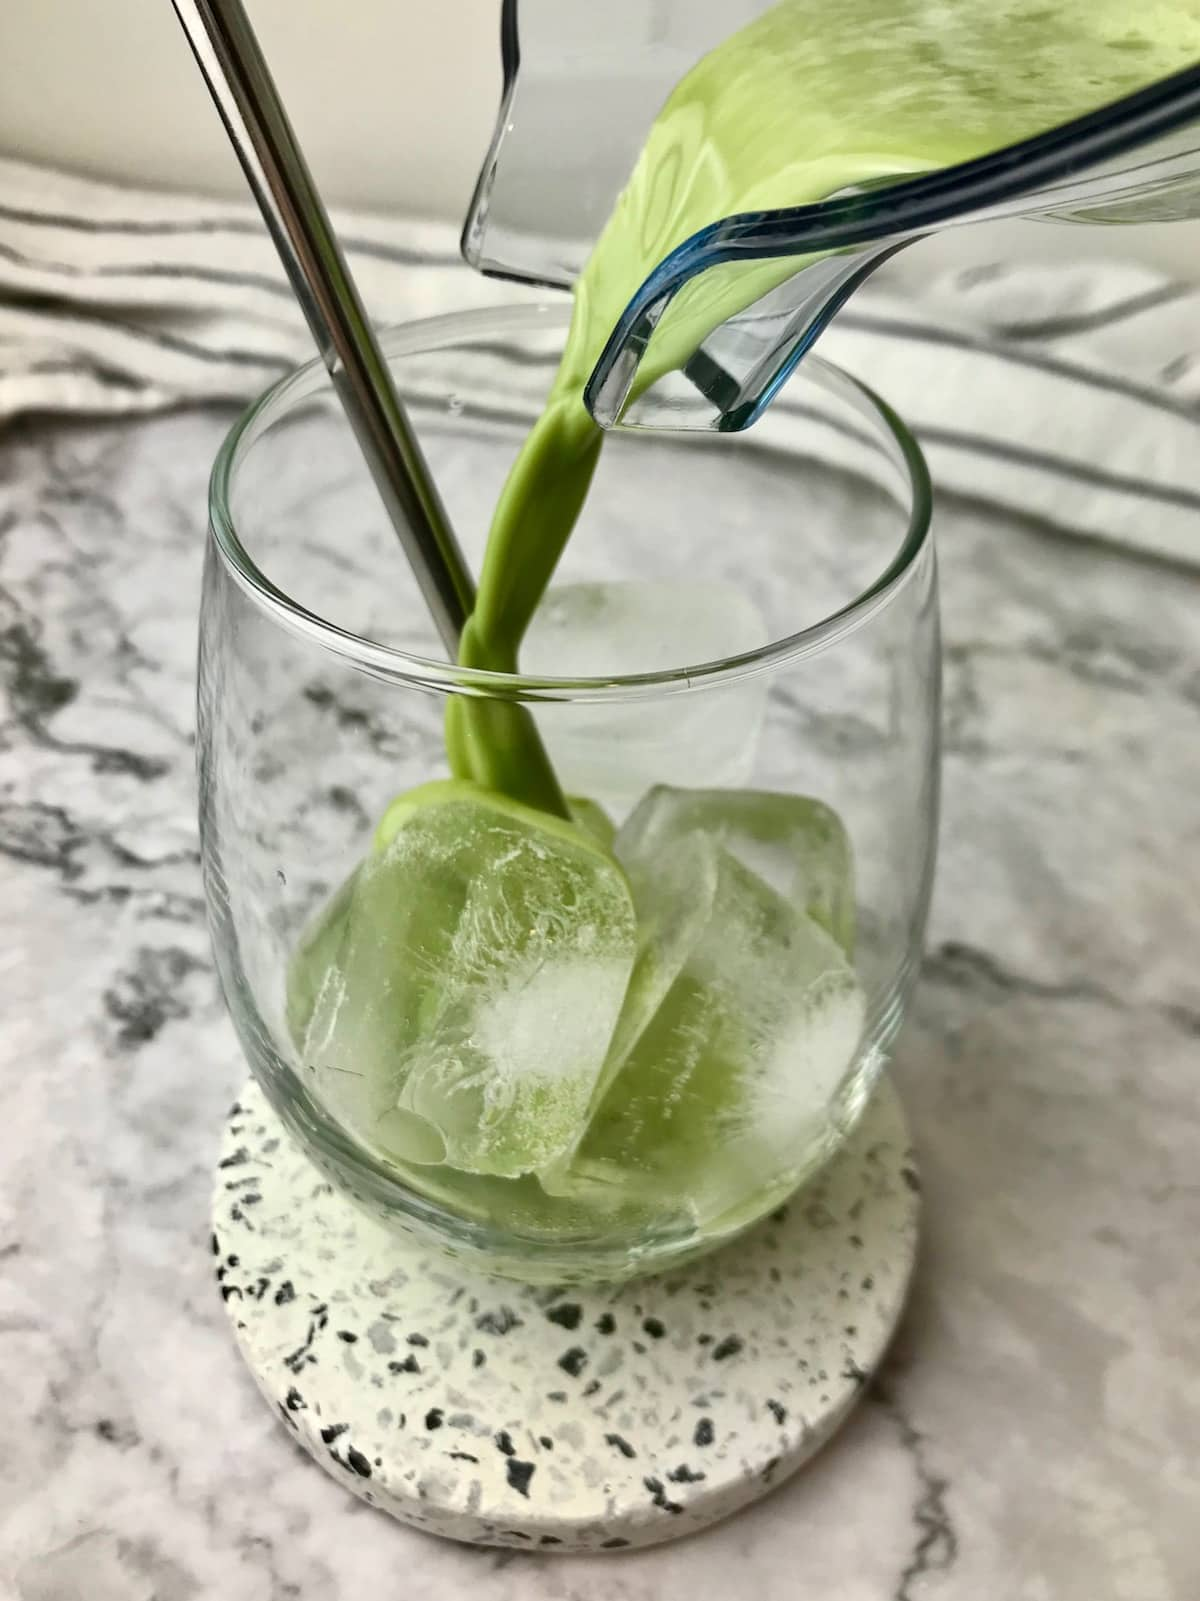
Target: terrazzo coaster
pixel 587 1419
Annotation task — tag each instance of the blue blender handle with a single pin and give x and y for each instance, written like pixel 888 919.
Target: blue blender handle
pixel 570 92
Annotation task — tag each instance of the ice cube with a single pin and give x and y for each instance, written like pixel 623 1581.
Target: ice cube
pixel 674 905
pixel 722 1100
pixel 796 845
pixel 478 978
pixel 615 751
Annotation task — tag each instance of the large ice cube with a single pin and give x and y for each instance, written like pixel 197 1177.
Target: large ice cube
pixel 722 1100
pixel 796 845
pixel 614 752
pixel 674 904
pixel 478 978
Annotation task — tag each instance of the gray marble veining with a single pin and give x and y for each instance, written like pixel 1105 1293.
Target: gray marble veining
pixel 1034 1433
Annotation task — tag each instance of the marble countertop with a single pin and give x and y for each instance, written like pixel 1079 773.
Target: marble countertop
pixel 1034 1432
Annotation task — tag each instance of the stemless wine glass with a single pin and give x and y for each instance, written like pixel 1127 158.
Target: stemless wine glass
pixel 583 1049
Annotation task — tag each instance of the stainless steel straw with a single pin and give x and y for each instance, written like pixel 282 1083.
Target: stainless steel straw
pixel 240 82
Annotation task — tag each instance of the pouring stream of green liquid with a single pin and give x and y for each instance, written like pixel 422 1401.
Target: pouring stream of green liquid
pixel 802 103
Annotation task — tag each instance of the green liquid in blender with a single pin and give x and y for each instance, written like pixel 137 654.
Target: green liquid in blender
pixel 562 1033
pixel 804 102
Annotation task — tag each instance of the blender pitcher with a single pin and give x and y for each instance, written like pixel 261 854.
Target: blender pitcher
pixel 583 84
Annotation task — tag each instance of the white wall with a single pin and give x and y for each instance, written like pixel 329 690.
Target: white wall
pixel 394 101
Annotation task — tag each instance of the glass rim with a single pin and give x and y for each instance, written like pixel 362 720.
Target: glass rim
pixel 389 663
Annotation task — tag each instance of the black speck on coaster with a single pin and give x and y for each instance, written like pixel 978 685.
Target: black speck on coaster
pixel 654 1327
pixel 566 1314
pixel 477 1358
pixel 778 1411
pixel 519 1475
pixel 621 1444
pixel 729 1346
pixel 504 1443
pixel 358 1463
pixel 703 1433
pixel 331 1431
pixel 502 1321
pixel 417 1339
pixel 606 1323
pixel 285 1294
pixel 409 1365
pixel 573 1361
pixel 348 1336
pixel 685 1475
pixel 658 1494
pixel 434 1418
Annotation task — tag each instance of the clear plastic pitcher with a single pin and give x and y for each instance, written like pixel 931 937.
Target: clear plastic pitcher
pixel 582 85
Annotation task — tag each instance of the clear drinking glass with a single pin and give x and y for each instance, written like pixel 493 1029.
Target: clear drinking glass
pixel 605 1063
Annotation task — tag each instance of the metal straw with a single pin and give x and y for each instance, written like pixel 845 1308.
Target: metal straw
pixel 240 83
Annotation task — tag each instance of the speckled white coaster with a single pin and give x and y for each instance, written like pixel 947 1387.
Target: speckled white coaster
pixel 587 1419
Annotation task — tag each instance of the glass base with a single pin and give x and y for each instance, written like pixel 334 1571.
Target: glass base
pixel 592 1418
